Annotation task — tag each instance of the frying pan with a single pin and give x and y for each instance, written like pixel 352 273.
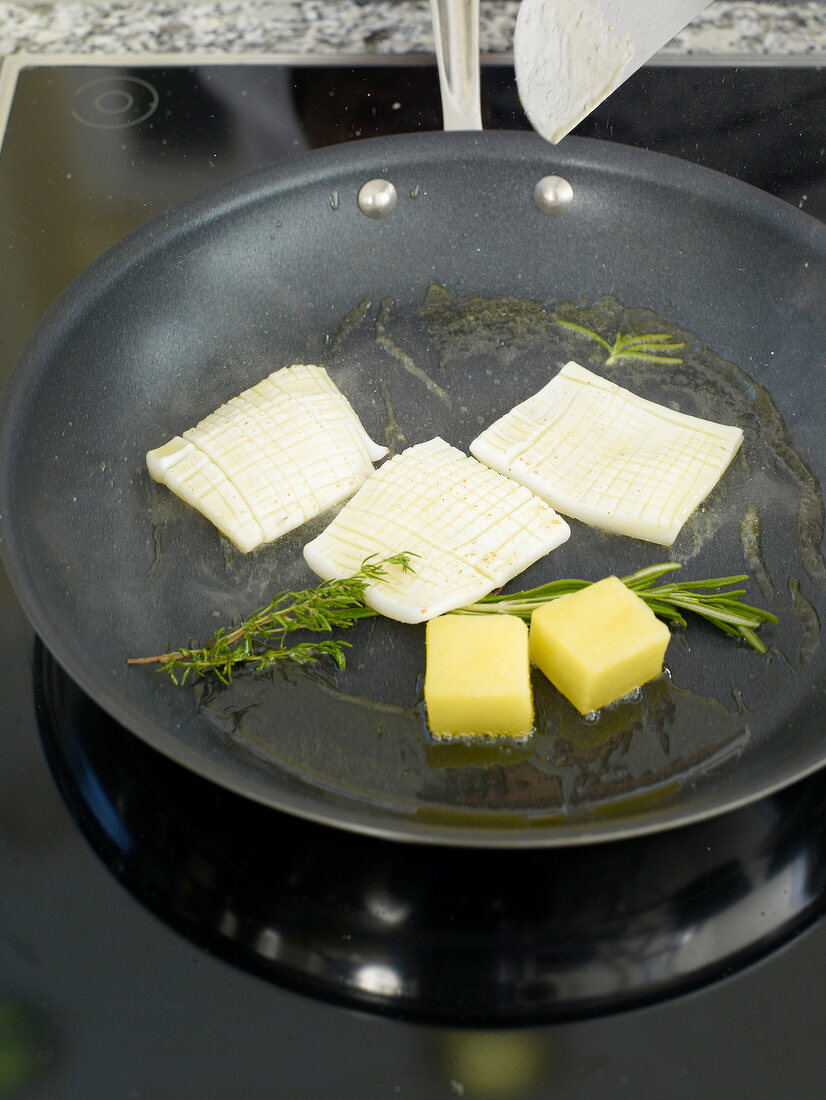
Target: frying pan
pixel 433 319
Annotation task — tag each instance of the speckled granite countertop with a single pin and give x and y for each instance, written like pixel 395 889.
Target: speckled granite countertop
pixel 731 27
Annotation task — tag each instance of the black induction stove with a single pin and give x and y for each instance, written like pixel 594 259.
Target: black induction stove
pixel 162 937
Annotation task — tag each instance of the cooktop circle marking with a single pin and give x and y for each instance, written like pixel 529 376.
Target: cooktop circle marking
pixel 115 102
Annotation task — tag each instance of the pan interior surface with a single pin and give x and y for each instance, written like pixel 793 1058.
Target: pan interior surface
pixel 433 320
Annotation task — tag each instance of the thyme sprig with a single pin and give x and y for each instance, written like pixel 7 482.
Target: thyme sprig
pixel 650 346
pixel 706 598
pixel 261 638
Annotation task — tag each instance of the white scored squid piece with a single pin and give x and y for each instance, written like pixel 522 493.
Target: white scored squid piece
pixel 468 529
pixel 271 458
pixel 601 454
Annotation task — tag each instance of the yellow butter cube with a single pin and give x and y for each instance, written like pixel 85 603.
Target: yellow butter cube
pixel 478 678
pixel 598 644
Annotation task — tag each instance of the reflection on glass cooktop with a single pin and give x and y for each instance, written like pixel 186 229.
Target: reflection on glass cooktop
pixel 481 937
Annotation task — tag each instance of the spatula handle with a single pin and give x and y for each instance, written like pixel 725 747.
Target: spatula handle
pixel 456 37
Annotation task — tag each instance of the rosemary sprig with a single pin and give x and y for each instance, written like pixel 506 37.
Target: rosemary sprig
pixel 649 346
pixel 724 609
pixel 261 639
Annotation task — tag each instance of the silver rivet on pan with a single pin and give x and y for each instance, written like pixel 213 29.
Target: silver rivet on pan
pixel 553 195
pixel 377 198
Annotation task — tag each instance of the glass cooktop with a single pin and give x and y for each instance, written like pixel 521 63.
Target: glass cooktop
pixel 162 937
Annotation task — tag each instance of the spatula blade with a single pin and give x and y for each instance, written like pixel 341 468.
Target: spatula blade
pixel 570 55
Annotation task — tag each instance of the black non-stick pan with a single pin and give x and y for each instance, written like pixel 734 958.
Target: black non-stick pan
pixel 433 319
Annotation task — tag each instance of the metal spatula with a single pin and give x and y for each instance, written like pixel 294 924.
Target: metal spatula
pixel 456 37
pixel 570 55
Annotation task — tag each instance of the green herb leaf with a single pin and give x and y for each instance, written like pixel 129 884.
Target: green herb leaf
pixel 712 599
pixel 649 346
pixel 261 639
